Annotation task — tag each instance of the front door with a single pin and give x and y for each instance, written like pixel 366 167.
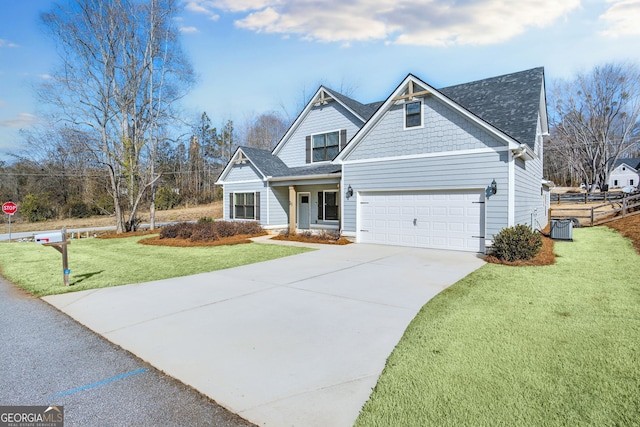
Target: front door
pixel 304 210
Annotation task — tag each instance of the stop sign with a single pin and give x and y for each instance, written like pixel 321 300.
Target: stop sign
pixel 9 208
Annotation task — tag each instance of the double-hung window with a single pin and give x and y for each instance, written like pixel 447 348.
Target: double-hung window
pixel 325 146
pixel 413 114
pixel 244 206
pixel 328 205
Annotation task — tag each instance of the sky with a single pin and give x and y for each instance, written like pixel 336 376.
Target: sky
pixel 260 56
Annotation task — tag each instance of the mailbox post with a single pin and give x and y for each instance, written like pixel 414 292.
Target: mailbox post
pixel 59 242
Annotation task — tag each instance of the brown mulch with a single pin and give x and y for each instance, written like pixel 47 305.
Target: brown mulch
pixel 546 256
pixel 187 243
pixel 312 239
pixel 629 227
pixel 129 234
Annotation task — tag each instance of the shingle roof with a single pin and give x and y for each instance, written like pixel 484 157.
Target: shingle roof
pixel 364 111
pixel 272 166
pixel 266 162
pixel 510 102
pixel 633 162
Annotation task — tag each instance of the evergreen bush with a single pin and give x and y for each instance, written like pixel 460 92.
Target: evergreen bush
pixel 516 243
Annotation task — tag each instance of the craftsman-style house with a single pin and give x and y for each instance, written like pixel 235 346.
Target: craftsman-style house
pixel 436 168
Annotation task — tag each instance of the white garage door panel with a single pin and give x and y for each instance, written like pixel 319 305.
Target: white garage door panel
pixel 441 220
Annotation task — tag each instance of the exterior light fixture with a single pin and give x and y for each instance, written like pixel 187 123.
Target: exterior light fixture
pixel 349 192
pixel 494 187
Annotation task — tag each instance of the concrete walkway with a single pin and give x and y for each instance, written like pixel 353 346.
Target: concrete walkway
pixel 297 341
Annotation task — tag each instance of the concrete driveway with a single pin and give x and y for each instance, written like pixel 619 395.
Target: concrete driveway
pixel 295 341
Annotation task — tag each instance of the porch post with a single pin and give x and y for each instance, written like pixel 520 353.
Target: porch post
pixel 293 203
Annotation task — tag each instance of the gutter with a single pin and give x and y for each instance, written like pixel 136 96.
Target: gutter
pixel 523 151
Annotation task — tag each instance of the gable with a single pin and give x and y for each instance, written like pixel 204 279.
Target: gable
pixel 443 129
pixel 330 117
pixel 518 109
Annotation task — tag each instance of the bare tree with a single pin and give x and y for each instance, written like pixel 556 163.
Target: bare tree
pixel 596 120
pixel 263 131
pixel 122 72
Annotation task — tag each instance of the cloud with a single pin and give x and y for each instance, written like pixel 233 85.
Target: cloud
pixel 21 121
pixel 621 19
pixel 410 22
pixel 7 43
pixel 188 30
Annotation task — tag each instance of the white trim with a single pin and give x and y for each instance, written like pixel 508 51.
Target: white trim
pixel 404 109
pixel 253 181
pixel 427 155
pixel 511 193
pixel 303 177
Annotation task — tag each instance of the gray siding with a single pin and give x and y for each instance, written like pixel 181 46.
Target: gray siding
pixel 530 205
pixel 278 206
pixel 466 171
pixel 243 172
pixel 326 118
pixel 444 130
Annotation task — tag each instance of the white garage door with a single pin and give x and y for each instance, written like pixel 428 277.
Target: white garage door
pixel 429 219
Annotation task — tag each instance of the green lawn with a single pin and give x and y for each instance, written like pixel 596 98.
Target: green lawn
pixel 524 346
pixel 98 263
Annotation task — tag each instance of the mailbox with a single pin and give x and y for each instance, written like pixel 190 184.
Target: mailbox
pixel 56 237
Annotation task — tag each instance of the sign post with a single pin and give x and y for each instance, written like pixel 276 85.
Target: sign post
pixel 9 208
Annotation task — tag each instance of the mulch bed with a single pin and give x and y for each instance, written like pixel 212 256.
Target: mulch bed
pixel 312 239
pixel 546 256
pixel 187 243
pixel 629 227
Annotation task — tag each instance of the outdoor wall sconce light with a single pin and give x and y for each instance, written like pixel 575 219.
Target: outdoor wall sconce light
pixel 349 192
pixel 494 187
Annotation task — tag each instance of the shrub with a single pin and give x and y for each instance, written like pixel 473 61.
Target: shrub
pixel 167 198
pixel 226 228
pixel 209 230
pixel 77 209
pixel 204 232
pixel 35 208
pixel 251 227
pixel 516 243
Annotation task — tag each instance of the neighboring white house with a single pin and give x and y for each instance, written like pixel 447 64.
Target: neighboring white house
pixel 625 173
pixel 435 168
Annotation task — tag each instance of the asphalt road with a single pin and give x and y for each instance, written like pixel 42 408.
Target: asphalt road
pixel 49 359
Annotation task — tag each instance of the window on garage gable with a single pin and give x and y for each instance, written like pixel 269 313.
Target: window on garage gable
pixel 328 205
pixel 413 114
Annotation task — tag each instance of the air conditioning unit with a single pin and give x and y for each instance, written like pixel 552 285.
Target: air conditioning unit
pixel 562 229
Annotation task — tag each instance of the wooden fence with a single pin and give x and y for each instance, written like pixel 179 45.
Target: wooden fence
pixel 600 214
pixel 604 196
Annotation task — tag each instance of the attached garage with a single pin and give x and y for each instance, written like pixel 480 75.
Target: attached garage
pixel 451 220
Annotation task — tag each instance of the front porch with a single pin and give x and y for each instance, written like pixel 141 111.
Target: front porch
pixel 312 206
